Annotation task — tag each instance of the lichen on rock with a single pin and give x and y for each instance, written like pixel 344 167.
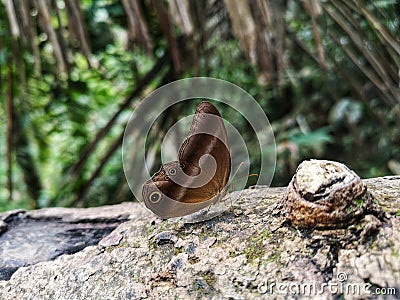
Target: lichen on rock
pixel 238 256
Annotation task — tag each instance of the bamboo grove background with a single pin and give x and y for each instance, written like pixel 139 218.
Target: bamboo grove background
pixel 325 72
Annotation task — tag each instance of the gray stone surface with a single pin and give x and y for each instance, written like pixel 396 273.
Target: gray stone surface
pixel 247 252
pixel 29 237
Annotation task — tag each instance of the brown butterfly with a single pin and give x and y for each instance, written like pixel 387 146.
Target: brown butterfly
pixel 200 176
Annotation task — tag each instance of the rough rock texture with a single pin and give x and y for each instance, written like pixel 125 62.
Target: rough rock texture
pixel 28 237
pixel 247 252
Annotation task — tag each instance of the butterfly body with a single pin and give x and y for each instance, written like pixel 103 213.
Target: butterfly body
pixel 200 176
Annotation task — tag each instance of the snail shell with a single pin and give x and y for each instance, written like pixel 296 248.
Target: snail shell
pixel 326 194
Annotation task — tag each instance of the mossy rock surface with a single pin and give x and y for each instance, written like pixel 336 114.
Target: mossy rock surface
pixel 246 252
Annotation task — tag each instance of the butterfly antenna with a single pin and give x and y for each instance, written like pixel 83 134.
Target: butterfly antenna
pixel 237 170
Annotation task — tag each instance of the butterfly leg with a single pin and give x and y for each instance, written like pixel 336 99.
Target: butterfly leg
pixel 218 200
pixel 231 208
pixel 208 208
pixel 230 188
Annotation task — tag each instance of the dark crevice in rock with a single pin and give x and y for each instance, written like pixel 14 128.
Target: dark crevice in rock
pixel 6 272
pixel 100 220
pixel 27 241
pixel 14 218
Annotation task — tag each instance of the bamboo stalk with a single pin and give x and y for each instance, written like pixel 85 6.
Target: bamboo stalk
pixel 377 26
pixel 82 192
pixel 390 90
pixel 243 27
pixel 103 161
pixel 48 28
pixel 29 28
pixel 302 46
pixel 312 11
pixel 370 75
pixel 60 34
pixel 78 29
pixel 14 40
pixel 137 26
pixel 167 29
pixel 12 18
pixel 10 120
pixel 278 17
pixel 77 168
pixel 389 46
pixel 180 13
pixel 265 52
pixel 381 53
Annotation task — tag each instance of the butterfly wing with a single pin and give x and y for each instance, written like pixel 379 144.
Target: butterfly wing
pixel 168 199
pixel 207 136
pixel 175 190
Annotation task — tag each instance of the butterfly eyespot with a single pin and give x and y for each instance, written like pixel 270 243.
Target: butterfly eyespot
pixel 172 172
pixel 182 165
pixel 155 197
pixel 166 177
